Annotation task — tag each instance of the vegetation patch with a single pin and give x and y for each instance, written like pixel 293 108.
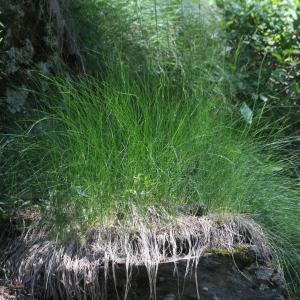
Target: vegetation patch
pixel 112 159
pixel 263 43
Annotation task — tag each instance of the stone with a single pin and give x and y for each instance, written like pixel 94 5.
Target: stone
pixel 16 99
pixel 223 281
pixel 254 251
pixel 277 279
pixel 263 287
pixel 170 297
pixel 264 273
pixel 25 54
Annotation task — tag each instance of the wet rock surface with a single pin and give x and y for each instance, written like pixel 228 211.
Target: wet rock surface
pixel 244 271
pixel 217 277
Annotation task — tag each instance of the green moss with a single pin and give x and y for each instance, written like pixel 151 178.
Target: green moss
pixel 241 254
pixel 220 251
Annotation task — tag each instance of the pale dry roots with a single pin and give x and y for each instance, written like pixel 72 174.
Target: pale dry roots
pixel 71 270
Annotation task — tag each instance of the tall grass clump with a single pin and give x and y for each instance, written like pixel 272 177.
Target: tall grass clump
pixel 103 145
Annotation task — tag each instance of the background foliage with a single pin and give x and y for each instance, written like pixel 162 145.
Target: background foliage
pixel 153 37
pixel 263 40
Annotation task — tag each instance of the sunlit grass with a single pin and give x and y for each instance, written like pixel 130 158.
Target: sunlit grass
pixel 103 145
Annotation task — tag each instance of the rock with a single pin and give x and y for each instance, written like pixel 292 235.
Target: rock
pixel 263 287
pixel 264 274
pixel 16 99
pixel 20 56
pixel 277 279
pixel 170 297
pixel 223 281
pixel 254 251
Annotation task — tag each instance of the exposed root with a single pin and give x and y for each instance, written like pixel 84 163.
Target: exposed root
pixel 78 271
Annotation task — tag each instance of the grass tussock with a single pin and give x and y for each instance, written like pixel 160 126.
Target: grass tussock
pixel 104 146
pixel 74 270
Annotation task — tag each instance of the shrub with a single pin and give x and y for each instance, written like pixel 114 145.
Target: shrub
pixel 263 51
